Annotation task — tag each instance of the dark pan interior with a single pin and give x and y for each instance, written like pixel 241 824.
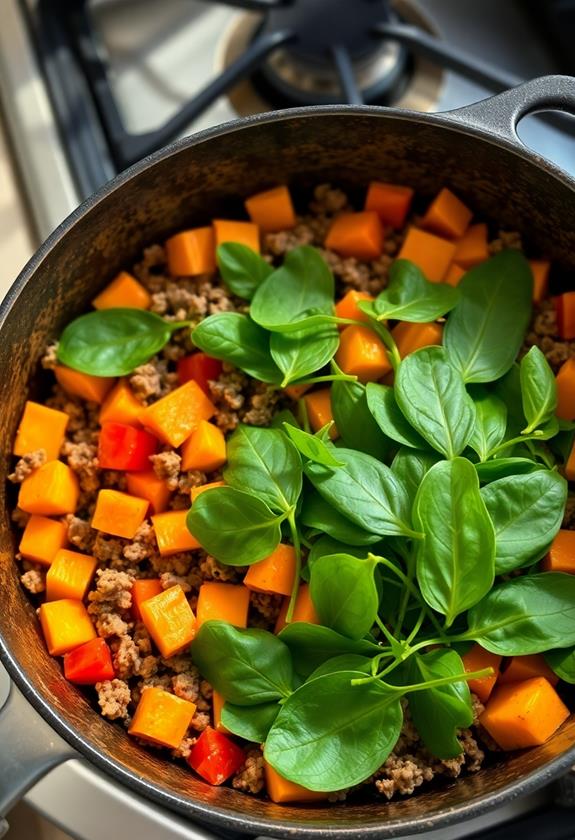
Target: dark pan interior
pixel 186 185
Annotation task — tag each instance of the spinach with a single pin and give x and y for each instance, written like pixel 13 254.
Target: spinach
pixel 562 662
pixel 508 389
pixel 526 511
pixel 329 736
pixel 250 722
pixel 410 466
pixel 284 416
pixel 327 545
pixel 386 413
pixel 247 666
pixel 297 354
pixel 410 297
pixel 490 421
pixel 455 561
pixel 236 339
pixel 237 528
pixel 538 390
pixel 312 447
pixel 317 513
pixel 346 662
pixel 432 397
pixel 344 593
pixel 354 420
pixel 484 332
pixel 242 270
pixel 311 645
pixel 503 467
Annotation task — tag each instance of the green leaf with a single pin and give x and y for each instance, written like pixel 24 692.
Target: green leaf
pixel 438 713
pixel 386 413
pixel 526 511
pixel 265 462
pixel 284 416
pixel 238 529
pixel 410 466
pixel 243 271
pixel 344 593
pixel 311 645
pixel 503 467
pixel 301 353
pixel 354 420
pixel 250 722
pixel 455 561
pixel 490 421
pixel 562 662
pixel 319 514
pixel 508 389
pixel 346 662
pixel 410 297
pixel 112 342
pixel 327 545
pixel 432 397
pixel 331 735
pixel 234 338
pixel 486 329
pixel 538 390
pixel 246 666
pixel 312 447
pixel 529 614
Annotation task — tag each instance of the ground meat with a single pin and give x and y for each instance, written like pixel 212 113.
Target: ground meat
pixel 187 686
pixel 166 465
pixel 50 358
pixel 569 517
pixel 262 406
pixel 113 698
pixel 27 464
pixel 328 200
pixel 250 776
pixel 228 395
pixel 187 480
pixel 110 551
pixel 126 657
pixel 110 601
pixel 19 517
pixel 143 546
pixel 34 580
pixel 266 604
pixel 212 570
pixel 506 239
pixel 402 774
pixel 83 459
pixel 80 533
pixel 152 380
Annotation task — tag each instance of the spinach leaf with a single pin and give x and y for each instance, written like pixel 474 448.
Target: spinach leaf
pixel 284 416
pixel 344 593
pixel 529 614
pixel 410 297
pixel 562 662
pixel 242 270
pixel 439 712
pixel 347 662
pixel 250 722
pixel 327 545
pixel 234 338
pixel 247 666
pixel 297 354
pixel 385 411
pixel 486 329
pixel 237 528
pixel 311 645
pixel 538 390
pixel 319 514
pixel 526 511
pixel 354 420
pixel 455 561
pixel 331 735
pixel 503 467
pixel 508 389
pixel 365 491
pixel 410 466
pixel 312 447
pixel 432 397
pixel 490 421
pixel 112 342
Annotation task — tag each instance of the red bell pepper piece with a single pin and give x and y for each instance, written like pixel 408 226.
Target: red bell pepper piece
pixel 215 757
pixel 90 663
pixel 199 367
pixel 124 447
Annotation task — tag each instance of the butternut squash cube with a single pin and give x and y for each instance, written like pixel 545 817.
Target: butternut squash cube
pixel 51 490
pixel 205 449
pixel 223 602
pixel 42 538
pixel 361 353
pixel 430 253
pixel 124 291
pixel 169 620
pixel 281 790
pixel 358 235
pixel 70 575
pixel 347 307
pixel 161 717
pixel 174 417
pixel 570 465
pixel 91 388
pixel 121 406
pixel 472 248
pixel 246 233
pixel 192 252
pixel 447 215
pixel 476 659
pixel 142 589
pixel 274 574
pixel 410 337
pixel 561 555
pixel 40 428
pixel 118 513
pixel 296 392
pixel 304 609
pixel 66 625
pixel 271 210
pixel 524 714
pixel 217 705
pixel 565 381
pixel 318 407
pixel 147 485
pixel 197 491
pixel 391 202
pixel 540 270
pixel 525 668
pixel 454 275
pixel 172 534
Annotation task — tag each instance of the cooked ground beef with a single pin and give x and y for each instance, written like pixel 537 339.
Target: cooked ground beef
pixel 27 464
pixel 113 698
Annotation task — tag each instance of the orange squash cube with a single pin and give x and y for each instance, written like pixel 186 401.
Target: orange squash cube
pixel 561 555
pixel 410 337
pixel 361 353
pixel 192 252
pixel 447 215
pixel 296 392
pixel 169 620
pixel 565 381
pixel 274 574
pixel 161 717
pixel 318 407
pixel 223 602
pixel 124 291
pixel 524 714
pixel 172 534
pixel 40 428
pixel 174 417
pixel 91 388
pixel 304 609
pixel 69 575
pixel 51 490
pixel 476 659
pixel 205 449
pixel 246 233
pixel 281 790
pixel 197 491
pixel 430 253
pixel 271 210
pixel 391 202
pixel 472 248
pixel 358 235
pixel 525 668
pixel 142 589
pixel 147 485
pixel 540 270
pixel 118 513
pixel 347 306
pixel 66 625
pixel 42 538
pixel 121 406
pixel 454 274
pixel 570 465
pixel 217 705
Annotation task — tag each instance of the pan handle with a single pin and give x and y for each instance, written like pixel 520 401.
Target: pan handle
pixel 501 114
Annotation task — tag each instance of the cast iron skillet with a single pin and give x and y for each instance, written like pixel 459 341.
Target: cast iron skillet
pixel 475 151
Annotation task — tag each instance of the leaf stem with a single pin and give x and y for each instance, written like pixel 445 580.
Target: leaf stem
pixel 297 549
pixel 470 675
pixel 338 377
pixel 388 340
pixel 302 415
pixel 391 639
pixel 416 628
pixel 177 325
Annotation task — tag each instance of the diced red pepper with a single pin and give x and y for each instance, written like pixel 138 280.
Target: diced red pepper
pixel 90 663
pixel 215 757
pixel 124 447
pixel 200 368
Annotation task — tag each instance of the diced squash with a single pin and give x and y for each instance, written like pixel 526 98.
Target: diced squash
pixel 147 485
pixel 42 538
pixel 272 210
pixel 169 620
pixel 304 609
pixel 296 392
pixel 447 215
pixel 217 705
pixel 161 717
pixel 40 428
pixel 69 575
pixel 525 668
pixel 430 253
pixel 205 449
pixel 223 602
pixel 281 790
pixel 121 406
pixel 118 513
pixel 91 388
pixel 142 589
pixel 192 252
pixel 123 291
pixel 472 248
pixel 361 353
pixel 570 465
pixel 391 202
pixel 540 270
pixel 275 574
pixel 476 659
pixel 565 381
pixel 246 233
pixel 565 314
pixel 561 555
pixel 347 307
pixel 524 714
pixel 66 625
pixel 172 534
pixel 174 417
pixel 51 490
pixel 410 337
pixel 358 235
pixel 318 406
pixel 454 274
pixel 197 491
